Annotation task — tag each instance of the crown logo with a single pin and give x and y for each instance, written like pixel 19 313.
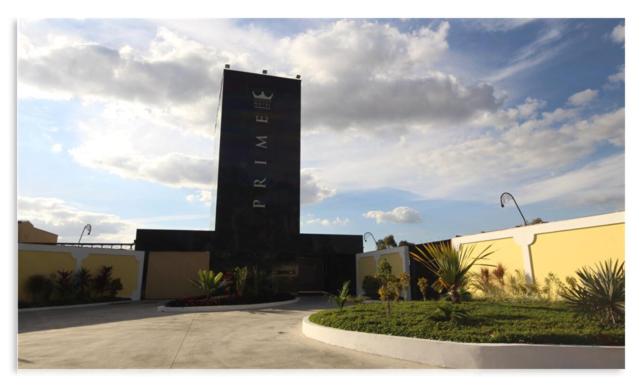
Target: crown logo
pixel 262 95
pixel 262 101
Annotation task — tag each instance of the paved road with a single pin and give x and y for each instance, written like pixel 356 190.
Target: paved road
pixel 135 335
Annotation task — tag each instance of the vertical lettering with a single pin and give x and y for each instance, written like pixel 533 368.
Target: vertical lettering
pixel 263 142
pixel 258 204
pixel 261 118
pixel 260 183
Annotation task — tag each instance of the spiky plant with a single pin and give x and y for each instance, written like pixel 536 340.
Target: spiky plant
pixel 342 296
pixel 240 278
pixel 600 291
pixel 450 265
pixel 208 282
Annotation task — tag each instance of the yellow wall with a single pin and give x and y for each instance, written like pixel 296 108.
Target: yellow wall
pixel 43 263
pixel 365 266
pixel 505 251
pixel 27 233
pixel 396 261
pixel 124 267
pixel 169 273
pixel 563 252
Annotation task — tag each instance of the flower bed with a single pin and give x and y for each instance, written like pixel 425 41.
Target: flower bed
pixel 228 300
pixel 486 322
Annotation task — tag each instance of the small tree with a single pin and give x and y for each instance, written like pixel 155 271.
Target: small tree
pixel 423 285
pixel 390 286
pixel 240 278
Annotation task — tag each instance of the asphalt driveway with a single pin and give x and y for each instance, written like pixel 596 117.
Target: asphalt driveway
pixel 135 335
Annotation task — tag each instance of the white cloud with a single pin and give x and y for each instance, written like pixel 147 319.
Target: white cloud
pixel 618 34
pixel 617 77
pixel 583 97
pixel 396 215
pixel 68 220
pixel 56 148
pixel 312 189
pixel 328 222
pixel 497 25
pixel 597 183
pixel 201 196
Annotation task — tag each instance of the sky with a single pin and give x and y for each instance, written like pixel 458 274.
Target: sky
pixel 410 127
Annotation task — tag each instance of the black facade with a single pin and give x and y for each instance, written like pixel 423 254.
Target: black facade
pixel 258 193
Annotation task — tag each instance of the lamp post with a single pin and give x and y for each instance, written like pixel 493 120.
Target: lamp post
pixel 87 227
pixel 372 236
pixel 504 199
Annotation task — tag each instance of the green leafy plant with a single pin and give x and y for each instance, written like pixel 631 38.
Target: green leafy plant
pixel 391 286
pixel 600 291
pixel 450 265
pixel 104 285
pixel 520 287
pixel 342 296
pixel 452 313
pixel 208 282
pixel 423 285
pixel 240 278
pixel 40 288
pixel 63 285
pixel 370 285
pixel 82 280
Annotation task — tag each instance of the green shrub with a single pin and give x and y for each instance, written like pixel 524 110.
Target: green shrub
pixel 451 313
pixel 423 285
pixel 240 278
pixel 103 285
pixel 370 285
pixel 600 293
pixel 40 288
pixel 208 282
pixel 391 286
pixel 63 285
pixel 81 282
pixel 342 296
pixel 450 265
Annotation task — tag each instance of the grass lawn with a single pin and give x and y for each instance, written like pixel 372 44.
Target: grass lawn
pixel 488 322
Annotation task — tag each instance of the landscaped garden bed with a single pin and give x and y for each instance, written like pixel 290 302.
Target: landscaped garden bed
pixel 531 322
pixel 229 300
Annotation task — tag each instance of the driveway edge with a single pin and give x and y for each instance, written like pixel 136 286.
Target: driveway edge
pixel 450 354
pixel 225 308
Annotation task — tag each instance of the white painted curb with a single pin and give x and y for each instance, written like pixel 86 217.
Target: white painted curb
pixel 224 308
pixel 450 354
pixel 62 307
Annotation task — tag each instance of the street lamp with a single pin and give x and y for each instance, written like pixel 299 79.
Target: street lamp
pixel 504 199
pixel 372 236
pixel 87 227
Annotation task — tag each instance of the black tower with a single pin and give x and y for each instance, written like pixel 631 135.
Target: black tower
pixel 259 162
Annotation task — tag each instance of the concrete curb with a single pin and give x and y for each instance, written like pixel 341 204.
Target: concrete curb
pixel 224 308
pixel 62 307
pixel 450 354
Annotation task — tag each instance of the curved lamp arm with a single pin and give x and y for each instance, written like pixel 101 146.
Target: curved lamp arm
pixel 87 227
pixel 372 236
pixel 504 199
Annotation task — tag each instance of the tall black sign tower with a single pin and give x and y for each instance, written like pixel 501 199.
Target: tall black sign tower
pixel 259 163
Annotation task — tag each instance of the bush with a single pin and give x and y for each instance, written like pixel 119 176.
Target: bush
pixel 370 285
pixel 423 285
pixel 208 282
pixel 103 285
pixel 63 285
pixel 240 278
pixel 40 288
pixel 600 293
pixel 81 282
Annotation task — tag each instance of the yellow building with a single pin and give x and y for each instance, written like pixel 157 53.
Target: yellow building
pixel 27 233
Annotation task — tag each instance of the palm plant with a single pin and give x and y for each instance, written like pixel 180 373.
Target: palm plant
pixel 240 278
pixel 600 291
pixel 342 296
pixel 208 282
pixel 450 265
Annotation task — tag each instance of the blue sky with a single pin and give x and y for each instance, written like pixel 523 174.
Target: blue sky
pixel 412 127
